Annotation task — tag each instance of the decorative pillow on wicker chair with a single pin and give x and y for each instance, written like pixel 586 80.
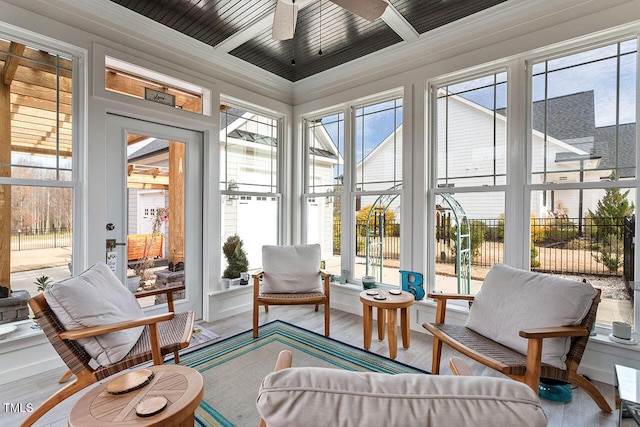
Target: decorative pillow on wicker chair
pixel 511 300
pixel 95 298
pixel 291 269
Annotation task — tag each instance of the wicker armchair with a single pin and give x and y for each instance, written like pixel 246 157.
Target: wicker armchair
pixel 527 368
pixel 162 335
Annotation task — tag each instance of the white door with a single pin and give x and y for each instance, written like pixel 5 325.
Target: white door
pixel 147 157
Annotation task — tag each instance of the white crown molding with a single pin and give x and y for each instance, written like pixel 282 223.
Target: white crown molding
pixel 114 22
pixel 511 19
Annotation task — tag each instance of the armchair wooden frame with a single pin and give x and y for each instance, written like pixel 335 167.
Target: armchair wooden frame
pixel 163 334
pixel 313 298
pixel 524 368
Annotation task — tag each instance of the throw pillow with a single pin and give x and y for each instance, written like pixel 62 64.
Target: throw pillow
pixel 291 269
pixel 94 298
pixel 511 300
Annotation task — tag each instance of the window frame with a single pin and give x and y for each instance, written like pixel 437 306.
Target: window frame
pixel 279 180
pixel 79 135
pixel 349 192
pixel 519 188
pixel 433 190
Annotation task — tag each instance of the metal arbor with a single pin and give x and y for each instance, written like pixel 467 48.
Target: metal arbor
pixel 376 227
pixel 463 244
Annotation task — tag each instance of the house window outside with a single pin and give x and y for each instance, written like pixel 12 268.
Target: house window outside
pixel 36 179
pixel 250 200
pixel 324 142
pixel 469 196
pixel 377 167
pixel 583 170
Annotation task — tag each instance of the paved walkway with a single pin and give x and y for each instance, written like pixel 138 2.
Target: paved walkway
pixel 27 266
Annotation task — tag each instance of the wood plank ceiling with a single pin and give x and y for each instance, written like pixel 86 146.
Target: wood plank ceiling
pixel 322 25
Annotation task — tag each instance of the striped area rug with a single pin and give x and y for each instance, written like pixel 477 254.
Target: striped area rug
pixel 233 368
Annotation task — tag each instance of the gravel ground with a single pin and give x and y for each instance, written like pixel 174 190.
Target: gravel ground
pixel 613 287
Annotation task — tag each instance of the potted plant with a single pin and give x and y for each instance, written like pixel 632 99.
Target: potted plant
pixel 236 258
pixel 42 283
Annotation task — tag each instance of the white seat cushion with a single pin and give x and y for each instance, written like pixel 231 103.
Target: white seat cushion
pixel 291 269
pixel 331 397
pixel 511 300
pixel 95 298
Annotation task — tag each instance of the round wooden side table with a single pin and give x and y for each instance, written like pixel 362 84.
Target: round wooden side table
pixel 183 388
pixel 387 314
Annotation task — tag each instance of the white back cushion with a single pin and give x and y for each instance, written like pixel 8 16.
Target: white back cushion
pixel 333 397
pixel 291 269
pixel 94 298
pixel 511 300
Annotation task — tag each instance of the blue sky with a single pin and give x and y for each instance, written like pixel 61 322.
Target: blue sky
pixel 373 125
pixel 591 70
pixel 594 69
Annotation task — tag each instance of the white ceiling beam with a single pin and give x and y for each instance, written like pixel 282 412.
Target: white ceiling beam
pixel 401 26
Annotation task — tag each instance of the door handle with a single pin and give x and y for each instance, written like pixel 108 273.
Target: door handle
pixel 111 244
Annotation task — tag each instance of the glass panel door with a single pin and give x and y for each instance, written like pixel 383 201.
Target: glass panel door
pixel 154 192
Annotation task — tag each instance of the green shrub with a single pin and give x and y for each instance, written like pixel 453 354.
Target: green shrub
pixel 611 253
pixel 477 236
pixel 362 216
pixel 534 255
pixel 537 230
pixel 559 230
pixel 500 228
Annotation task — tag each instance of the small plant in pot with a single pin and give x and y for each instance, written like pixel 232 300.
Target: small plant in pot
pixel 42 283
pixel 236 258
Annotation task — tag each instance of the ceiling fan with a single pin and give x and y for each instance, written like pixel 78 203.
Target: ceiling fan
pixel 284 20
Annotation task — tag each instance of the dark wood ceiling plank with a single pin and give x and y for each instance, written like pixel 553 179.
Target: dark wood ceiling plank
pixel 345 36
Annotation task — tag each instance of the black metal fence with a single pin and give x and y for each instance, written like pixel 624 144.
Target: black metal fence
pixel 35 239
pixel 388 240
pixel 558 245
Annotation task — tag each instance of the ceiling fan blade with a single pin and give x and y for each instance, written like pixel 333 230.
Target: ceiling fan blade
pixel 368 9
pixel 284 21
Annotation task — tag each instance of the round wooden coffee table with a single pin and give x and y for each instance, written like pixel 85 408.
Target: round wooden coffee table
pixel 182 387
pixel 387 313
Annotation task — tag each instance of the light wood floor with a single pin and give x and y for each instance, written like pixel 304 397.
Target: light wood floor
pixel 346 327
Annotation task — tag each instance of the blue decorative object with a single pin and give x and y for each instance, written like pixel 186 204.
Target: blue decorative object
pixel 413 282
pixel 555 392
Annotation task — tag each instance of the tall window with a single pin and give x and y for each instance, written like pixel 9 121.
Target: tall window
pixel 470 121
pixel 36 181
pixel 583 170
pixel 250 203
pixel 325 177
pixel 377 167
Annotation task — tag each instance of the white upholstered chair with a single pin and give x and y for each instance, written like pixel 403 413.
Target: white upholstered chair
pixel 290 276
